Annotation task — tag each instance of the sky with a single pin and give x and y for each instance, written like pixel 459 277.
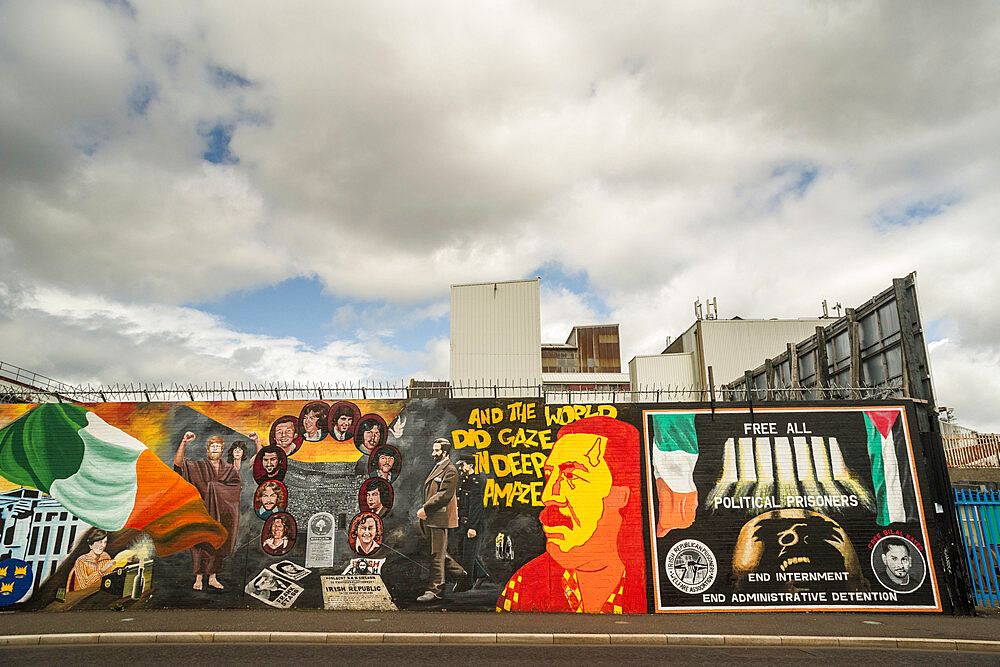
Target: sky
pixel 199 191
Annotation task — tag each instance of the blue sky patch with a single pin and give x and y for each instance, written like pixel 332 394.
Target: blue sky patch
pixel 300 308
pixel 555 276
pixel 914 212
pixel 217 138
pixel 140 97
pixel 220 77
pixel 803 175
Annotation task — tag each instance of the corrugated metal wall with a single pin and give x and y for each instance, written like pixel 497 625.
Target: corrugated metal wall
pixel 495 335
pixel 734 346
pixel 661 371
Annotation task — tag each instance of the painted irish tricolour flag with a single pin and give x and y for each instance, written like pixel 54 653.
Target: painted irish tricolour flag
pixel 896 498
pixel 105 476
pixel 675 453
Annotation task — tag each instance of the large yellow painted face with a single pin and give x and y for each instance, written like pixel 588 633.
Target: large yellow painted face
pixel 577 483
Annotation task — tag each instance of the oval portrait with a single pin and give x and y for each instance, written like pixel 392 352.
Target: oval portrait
pixel 371 433
pixel 898 564
pixel 375 496
pixel 365 533
pixel 285 434
pixel 314 420
pixel 271 497
pixel 277 537
pixel 344 417
pixel 385 463
pixel 270 463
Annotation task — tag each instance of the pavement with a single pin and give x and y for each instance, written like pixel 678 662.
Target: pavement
pixel 910 631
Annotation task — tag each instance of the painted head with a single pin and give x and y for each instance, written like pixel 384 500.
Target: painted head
pixel 284 433
pixel 365 532
pixel 378 496
pixel 386 460
pixel 269 460
pixel 238 451
pixel 371 435
pixel 314 418
pixel 467 464
pixel 898 562
pixel 278 528
pixel 98 542
pixel 214 447
pixel 271 496
pixel 374 498
pixel 343 418
pixel 440 449
pixel 591 489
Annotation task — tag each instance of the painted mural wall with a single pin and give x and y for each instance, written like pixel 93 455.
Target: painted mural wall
pixel 465 504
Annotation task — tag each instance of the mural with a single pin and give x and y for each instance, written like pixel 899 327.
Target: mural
pixel 465 504
pixel 786 509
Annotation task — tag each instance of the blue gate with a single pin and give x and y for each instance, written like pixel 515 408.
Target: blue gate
pixel 979 519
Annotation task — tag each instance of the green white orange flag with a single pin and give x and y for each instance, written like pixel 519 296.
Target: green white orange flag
pixel 105 476
pixel 675 453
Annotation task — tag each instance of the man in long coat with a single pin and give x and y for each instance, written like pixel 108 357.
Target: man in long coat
pixel 219 484
pixel 439 513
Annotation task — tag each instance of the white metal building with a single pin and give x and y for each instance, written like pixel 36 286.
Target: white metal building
pixel 496 337
pixel 730 347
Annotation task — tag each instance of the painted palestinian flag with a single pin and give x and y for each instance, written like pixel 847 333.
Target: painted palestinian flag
pixel 675 453
pixel 105 476
pixel 895 496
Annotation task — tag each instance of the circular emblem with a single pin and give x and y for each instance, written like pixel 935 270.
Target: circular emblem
pixel 691 566
pixel 898 564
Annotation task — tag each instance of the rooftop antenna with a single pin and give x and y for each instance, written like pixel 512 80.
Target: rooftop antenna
pixel 837 308
pixel 697 309
pixel 713 309
pixel 826 313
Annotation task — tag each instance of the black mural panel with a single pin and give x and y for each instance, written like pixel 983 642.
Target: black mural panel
pixel 786 508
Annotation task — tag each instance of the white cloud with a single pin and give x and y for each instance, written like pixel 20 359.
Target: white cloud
pixel 561 310
pixel 389 150
pixel 81 339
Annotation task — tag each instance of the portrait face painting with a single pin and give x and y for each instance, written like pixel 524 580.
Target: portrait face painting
pixel 365 533
pixel 271 496
pixel 270 463
pixel 278 534
pixel 313 421
pixel 344 416
pixel 285 434
pixel 385 462
pixel 371 433
pixel 375 496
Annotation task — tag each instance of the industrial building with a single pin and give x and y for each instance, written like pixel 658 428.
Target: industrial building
pixel 712 351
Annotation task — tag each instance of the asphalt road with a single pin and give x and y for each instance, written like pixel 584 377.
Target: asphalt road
pixel 846 624
pixel 480 655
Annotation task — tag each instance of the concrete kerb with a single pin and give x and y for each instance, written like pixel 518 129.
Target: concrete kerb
pixel 478 638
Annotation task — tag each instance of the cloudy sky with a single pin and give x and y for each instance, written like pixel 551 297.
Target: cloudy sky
pixel 192 191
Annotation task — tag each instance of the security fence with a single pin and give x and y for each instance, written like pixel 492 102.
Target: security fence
pixel 240 391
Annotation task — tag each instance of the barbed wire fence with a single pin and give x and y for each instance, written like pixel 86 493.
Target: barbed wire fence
pixel 282 391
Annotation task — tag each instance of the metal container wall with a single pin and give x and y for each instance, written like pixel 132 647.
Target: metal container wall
pixel 495 336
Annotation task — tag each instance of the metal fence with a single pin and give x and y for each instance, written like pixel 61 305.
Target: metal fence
pixel 28 385
pixel 240 391
pixel 972 450
pixel 979 519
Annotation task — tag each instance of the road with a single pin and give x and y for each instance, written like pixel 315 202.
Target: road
pixel 413 655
